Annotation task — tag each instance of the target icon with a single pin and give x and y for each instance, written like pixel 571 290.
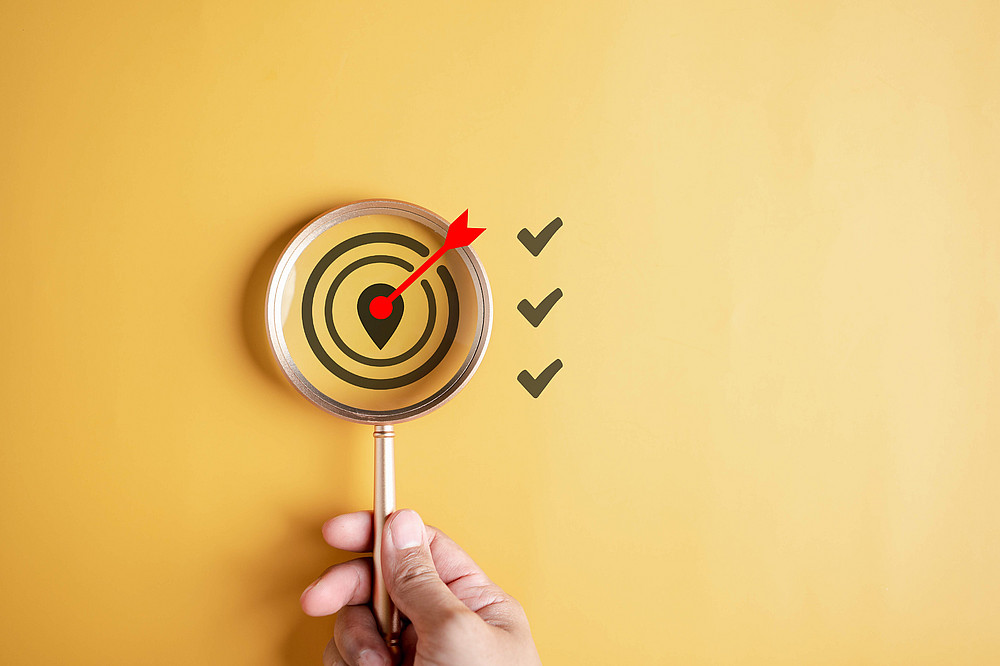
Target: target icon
pixel 380 310
pixel 377 328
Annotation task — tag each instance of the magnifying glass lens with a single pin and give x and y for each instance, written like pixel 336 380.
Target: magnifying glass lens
pixel 354 346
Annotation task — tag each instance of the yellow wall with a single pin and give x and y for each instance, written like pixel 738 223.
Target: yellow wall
pixel 775 438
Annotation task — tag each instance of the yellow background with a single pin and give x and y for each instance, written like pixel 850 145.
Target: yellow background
pixel 775 438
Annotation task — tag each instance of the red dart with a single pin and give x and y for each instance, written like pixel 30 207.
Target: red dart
pixel 459 235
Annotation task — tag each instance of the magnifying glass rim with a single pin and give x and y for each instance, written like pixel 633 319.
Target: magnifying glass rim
pixel 282 271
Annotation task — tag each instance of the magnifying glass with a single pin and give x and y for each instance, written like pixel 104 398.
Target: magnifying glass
pixel 379 312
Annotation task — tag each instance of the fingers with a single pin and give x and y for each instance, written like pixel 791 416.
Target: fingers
pixel 470 584
pixel 341 585
pixel 358 640
pixel 454 565
pixel 429 577
pixel 412 579
pixel 350 531
pixel 353 532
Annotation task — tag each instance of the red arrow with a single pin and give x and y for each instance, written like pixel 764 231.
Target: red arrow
pixel 459 235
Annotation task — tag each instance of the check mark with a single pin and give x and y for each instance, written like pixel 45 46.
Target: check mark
pixel 535 386
pixel 535 315
pixel 535 244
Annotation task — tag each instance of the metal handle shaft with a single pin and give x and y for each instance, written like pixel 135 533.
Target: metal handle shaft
pixel 385 503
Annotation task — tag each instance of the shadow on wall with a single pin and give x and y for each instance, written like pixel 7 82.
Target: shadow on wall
pixel 274 577
pixel 255 294
pixel 294 562
pixel 282 571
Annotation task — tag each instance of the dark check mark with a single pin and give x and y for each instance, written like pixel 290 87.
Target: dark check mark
pixel 535 315
pixel 535 386
pixel 535 244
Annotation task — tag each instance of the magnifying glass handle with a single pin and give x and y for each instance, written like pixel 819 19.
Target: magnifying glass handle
pixel 385 503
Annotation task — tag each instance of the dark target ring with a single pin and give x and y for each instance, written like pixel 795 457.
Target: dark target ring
pixel 309 327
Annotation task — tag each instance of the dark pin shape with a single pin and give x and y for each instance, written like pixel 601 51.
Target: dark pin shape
pixel 379 330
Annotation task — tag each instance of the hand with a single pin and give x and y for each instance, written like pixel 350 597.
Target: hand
pixel 457 616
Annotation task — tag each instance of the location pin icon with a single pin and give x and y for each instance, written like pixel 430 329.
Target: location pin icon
pixel 379 330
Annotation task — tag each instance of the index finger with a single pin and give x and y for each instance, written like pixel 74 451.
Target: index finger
pixel 350 531
pixel 353 532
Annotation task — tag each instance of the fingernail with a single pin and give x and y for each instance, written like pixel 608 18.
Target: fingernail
pixel 370 658
pixel 406 530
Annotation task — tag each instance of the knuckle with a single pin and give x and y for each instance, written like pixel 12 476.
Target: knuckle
pixel 498 607
pixel 414 572
pixel 519 615
pixel 515 606
pixel 493 596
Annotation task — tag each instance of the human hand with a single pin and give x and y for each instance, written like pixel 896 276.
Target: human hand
pixel 457 615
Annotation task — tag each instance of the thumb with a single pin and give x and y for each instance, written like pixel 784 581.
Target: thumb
pixel 410 576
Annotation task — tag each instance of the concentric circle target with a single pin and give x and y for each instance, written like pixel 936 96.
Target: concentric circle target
pixel 346 361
